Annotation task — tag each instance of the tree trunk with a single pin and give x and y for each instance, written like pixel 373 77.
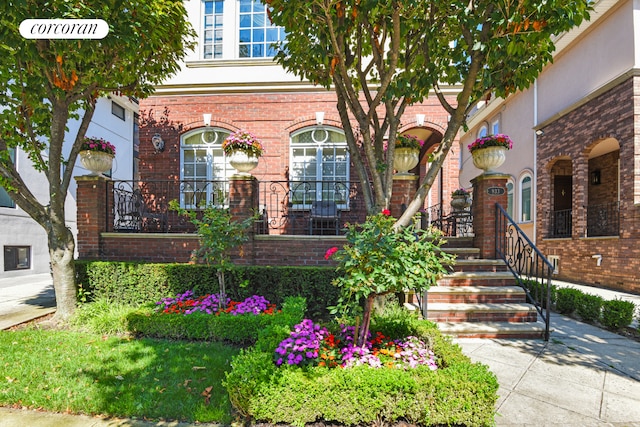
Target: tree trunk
pixel 61 253
pixel 366 320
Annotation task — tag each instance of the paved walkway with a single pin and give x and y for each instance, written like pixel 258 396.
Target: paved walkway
pixel 584 376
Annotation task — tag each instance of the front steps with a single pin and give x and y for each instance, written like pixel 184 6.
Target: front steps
pixel 480 299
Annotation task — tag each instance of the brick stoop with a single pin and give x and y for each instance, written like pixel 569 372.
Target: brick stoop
pixel 480 299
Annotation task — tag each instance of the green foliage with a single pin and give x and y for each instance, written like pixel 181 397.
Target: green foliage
pixel 567 300
pixel 379 259
pixel 218 232
pixel 102 316
pixel 617 314
pixel 589 307
pixel 141 283
pixel 241 330
pixel 537 290
pixel 398 53
pixel 458 393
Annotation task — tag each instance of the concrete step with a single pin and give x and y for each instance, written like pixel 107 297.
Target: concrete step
pixel 474 278
pixel 463 253
pixel 481 312
pixel 473 265
pixel 458 242
pixel 475 294
pixel 533 330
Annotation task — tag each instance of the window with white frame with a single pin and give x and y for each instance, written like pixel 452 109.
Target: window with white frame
pixel 205 170
pixel 483 131
pixel 212 29
pixel 510 198
pixel 319 167
pixel 495 127
pixel 237 29
pixel 525 198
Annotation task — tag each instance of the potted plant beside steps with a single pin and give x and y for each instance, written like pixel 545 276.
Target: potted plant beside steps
pixel 489 152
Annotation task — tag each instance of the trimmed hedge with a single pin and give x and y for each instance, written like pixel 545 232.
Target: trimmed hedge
pixel 143 283
pixel 458 393
pixel 617 314
pixel 242 329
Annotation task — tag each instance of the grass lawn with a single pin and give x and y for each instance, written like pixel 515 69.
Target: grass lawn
pixel 66 371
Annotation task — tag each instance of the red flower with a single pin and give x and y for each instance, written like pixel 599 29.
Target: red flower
pixel 386 212
pixel 330 252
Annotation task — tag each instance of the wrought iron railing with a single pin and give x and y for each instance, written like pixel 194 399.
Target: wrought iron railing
pixel 529 266
pixel 143 206
pixel 452 222
pixel 560 223
pixel 310 207
pixel 603 220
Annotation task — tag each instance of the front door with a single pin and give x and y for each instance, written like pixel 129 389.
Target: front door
pixel 562 201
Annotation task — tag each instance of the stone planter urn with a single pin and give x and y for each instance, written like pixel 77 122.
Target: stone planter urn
pixel 405 159
pixel 243 162
pixel 459 203
pixel 489 158
pixel 96 162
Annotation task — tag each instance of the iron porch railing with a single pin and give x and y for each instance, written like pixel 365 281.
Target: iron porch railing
pixel 603 220
pixel 529 266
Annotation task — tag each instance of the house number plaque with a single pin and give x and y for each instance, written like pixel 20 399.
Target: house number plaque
pixel 495 191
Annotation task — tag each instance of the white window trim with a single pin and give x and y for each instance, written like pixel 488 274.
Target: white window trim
pixel 523 176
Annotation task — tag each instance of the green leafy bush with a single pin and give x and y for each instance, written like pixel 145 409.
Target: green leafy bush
pixel 537 290
pixel 567 300
pixel 242 329
pixel 589 307
pixel 142 283
pixel 617 314
pixel 457 393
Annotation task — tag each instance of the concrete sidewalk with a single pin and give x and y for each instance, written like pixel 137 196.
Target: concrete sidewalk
pixel 25 298
pixel 584 376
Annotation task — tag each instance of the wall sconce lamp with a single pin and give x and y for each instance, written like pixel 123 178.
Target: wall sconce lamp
pixel 319 117
pixel 206 118
pixel 539 132
pixel 158 143
pixel 420 119
pixel 596 178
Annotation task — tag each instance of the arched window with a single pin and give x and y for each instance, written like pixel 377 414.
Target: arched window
pixel 483 131
pixel 510 198
pixel 319 167
pixel 525 197
pixel 204 169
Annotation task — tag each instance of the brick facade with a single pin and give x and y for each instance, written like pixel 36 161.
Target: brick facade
pixel 566 148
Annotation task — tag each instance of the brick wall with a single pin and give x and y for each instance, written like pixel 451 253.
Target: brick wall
pixel 573 136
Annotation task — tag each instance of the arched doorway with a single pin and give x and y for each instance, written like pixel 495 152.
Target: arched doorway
pixel 560 220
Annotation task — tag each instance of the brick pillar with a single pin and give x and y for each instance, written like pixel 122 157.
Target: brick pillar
pixel 243 204
pixel 487 191
pixel 404 190
pixel 91 201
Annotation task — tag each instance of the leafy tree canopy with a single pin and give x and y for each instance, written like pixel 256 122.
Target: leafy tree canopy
pixel 383 55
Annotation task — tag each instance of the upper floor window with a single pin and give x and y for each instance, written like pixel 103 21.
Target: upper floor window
pixel 213 26
pixel 205 170
pixel 320 159
pixel 483 131
pixel 495 127
pixel 5 200
pixel 237 29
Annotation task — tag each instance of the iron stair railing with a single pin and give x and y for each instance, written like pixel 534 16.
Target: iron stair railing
pixel 530 267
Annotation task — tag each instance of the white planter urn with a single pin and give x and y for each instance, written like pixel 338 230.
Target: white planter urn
pixel 489 158
pixel 405 159
pixel 243 162
pixel 96 162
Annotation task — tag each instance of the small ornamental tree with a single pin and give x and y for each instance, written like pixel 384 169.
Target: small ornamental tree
pixel 219 233
pixel 377 260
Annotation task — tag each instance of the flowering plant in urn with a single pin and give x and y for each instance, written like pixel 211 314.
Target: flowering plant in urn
pixel 97 144
pixel 460 192
pixel 498 140
pixel 245 141
pixel 409 141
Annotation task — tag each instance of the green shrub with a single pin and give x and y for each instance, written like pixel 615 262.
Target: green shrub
pixel 458 393
pixel 567 300
pixel 242 329
pixel 537 291
pixel 589 307
pixel 617 314
pixel 142 283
